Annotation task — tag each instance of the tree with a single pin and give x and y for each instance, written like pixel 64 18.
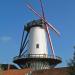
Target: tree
pixel 71 64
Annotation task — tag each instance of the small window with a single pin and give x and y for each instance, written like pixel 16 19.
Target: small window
pixel 37 45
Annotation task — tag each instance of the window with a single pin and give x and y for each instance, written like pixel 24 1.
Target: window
pixel 37 45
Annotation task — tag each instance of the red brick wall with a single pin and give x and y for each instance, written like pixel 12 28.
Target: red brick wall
pixel 52 71
pixel 16 72
pixel 57 71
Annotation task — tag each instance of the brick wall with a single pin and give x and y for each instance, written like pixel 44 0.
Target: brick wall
pixel 16 72
pixel 54 71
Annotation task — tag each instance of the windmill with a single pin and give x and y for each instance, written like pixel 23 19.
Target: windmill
pixel 36 56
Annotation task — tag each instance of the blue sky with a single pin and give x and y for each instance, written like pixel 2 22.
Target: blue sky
pixel 14 15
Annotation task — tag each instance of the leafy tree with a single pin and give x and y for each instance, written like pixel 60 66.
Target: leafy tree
pixel 71 64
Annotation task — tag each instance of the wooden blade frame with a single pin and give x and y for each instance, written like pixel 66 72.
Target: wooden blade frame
pixel 46 27
pixel 49 25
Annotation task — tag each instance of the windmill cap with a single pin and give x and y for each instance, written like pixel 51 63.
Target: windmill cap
pixel 34 23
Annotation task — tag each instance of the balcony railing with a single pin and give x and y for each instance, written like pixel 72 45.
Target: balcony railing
pixel 36 56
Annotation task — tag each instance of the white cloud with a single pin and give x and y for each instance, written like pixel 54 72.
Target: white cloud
pixel 5 38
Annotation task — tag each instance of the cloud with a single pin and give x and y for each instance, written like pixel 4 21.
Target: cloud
pixel 5 38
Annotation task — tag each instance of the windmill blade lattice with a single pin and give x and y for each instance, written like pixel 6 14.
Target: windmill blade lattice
pixel 36 13
pixel 47 30
pixel 42 9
